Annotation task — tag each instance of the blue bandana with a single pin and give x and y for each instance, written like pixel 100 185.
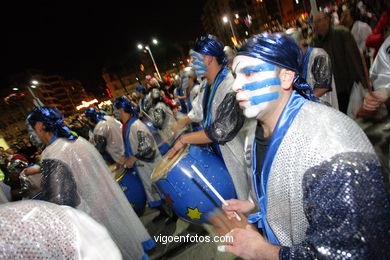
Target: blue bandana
pixel 94 115
pixel 124 103
pixel 53 121
pixel 280 50
pixel 210 46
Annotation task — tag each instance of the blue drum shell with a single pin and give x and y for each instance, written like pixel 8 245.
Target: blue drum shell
pixel 191 199
pixel 134 191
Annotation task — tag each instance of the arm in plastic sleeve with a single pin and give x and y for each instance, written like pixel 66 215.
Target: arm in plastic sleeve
pixel 196 113
pixel 58 183
pixel 344 221
pixel 146 150
pixel 228 120
pixel 100 143
pixel 322 72
pixel 159 117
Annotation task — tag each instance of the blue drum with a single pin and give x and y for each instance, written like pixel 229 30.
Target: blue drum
pixel 191 198
pixel 132 187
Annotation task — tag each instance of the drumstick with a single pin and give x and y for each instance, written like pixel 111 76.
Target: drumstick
pixel 216 193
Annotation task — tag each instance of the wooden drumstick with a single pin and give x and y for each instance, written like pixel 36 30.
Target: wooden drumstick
pixel 216 193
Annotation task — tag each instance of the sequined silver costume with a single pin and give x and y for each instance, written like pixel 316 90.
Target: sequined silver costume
pixel 162 116
pixel 145 149
pixel 41 230
pixel 326 198
pixel 110 130
pixel 75 174
pixel 319 75
pixel 233 150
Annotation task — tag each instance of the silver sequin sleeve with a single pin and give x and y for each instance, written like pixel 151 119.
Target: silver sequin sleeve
pixel 347 209
pixel 146 146
pixel 228 120
pixel 322 72
pixel 58 184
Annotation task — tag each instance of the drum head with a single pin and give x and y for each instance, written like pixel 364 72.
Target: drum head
pixel 165 165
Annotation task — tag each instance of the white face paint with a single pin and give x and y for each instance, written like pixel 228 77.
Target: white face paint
pixel 34 138
pixel 257 85
pixel 197 64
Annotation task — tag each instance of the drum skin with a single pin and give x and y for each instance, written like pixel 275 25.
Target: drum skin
pixel 133 189
pixel 191 199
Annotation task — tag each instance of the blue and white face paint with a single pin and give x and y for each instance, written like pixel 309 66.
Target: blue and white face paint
pixel 35 140
pixel 116 113
pixel 256 84
pixel 196 62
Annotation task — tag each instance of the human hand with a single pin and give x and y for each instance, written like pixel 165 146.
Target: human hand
pixel 177 147
pixel 223 224
pixel 234 205
pixel 247 243
pixel 372 100
pixel 129 163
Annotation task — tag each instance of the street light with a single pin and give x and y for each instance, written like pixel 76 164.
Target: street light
pixel 225 20
pixel 37 102
pixel 140 46
pixel 16 89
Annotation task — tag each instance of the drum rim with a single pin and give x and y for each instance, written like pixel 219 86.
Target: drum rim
pixel 185 152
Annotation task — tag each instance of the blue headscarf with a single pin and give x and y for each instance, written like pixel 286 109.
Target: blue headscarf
pixel 282 51
pixel 140 88
pixel 209 45
pixel 53 121
pixel 94 115
pixel 124 103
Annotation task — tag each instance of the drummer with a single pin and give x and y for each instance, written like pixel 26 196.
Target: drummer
pixel 74 174
pixel 140 147
pixel 107 135
pixel 162 116
pixel 222 118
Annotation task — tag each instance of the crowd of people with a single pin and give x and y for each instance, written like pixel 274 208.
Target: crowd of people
pixel 278 114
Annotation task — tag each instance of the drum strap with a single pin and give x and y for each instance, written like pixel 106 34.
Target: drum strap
pixel 292 108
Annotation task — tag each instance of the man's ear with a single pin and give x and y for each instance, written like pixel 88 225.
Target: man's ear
pixel 286 78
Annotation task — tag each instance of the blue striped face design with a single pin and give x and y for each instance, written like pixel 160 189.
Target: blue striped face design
pixel 257 85
pixel 196 62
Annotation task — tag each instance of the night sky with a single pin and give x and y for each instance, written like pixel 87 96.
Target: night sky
pixel 77 39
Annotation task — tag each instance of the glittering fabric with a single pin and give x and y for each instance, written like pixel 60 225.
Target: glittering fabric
pixel 142 143
pixel 325 190
pixel 228 120
pixel 100 196
pixel 111 130
pixel 164 119
pixel 319 75
pixel 347 210
pixel 233 151
pixel 42 230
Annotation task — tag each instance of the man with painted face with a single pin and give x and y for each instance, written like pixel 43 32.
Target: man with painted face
pixel 75 174
pixel 107 135
pixel 195 114
pixel 222 119
pixel 139 146
pixel 316 175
